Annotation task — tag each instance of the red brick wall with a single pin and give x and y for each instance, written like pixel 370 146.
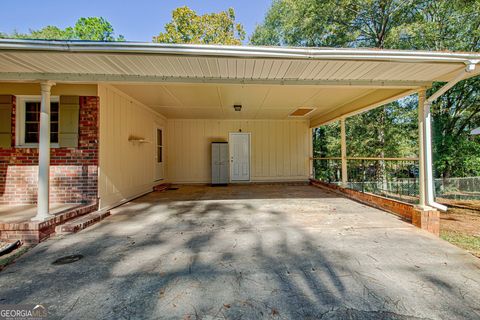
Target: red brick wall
pixel 428 220
pixel 401 209
pixel 73 171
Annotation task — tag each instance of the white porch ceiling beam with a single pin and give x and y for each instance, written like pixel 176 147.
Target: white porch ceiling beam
pixel 99 78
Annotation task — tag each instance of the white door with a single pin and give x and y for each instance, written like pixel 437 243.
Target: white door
pixel 159 154
pixel 239 156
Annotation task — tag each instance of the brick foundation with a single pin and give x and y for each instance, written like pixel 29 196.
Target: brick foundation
pixel 73 171
pixel 33 232
pixel 427 220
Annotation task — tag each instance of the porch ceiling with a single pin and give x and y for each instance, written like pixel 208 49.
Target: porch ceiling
pixel 195 81
pixel 215 101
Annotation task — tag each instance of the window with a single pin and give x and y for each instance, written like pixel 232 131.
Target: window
pixel 28 120
pixel 32 122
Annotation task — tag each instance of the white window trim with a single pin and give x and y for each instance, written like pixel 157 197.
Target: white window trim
pixel 20 120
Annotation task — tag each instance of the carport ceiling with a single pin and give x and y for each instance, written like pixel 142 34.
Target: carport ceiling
pixel 216 101
pixel 201 81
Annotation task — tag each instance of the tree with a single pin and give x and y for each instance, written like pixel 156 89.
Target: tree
pixel 92 28
pixel 211 28
pixel 396 24
pixel 452 25
pixel 332 23
pixel 306 23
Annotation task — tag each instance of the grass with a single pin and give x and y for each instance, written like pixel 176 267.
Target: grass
pixel 468 242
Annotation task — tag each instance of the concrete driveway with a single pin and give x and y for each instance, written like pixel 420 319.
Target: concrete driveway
pixel 248 252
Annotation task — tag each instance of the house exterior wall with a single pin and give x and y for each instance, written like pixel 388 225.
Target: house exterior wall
pixel 127 168
pixel 73 171
pixel 279 148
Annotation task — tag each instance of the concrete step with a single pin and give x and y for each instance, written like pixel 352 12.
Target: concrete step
pixel 162 187
pixel 81 223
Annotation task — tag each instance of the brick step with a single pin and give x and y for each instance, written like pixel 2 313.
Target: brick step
pixel 81 223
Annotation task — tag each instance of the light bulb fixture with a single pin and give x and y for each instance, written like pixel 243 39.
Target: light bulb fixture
pixel 237 107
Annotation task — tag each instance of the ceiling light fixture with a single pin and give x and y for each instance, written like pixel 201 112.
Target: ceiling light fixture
pixel 237 107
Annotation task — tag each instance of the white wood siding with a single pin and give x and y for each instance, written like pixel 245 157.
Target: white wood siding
pixel 279 148
pixel 126 168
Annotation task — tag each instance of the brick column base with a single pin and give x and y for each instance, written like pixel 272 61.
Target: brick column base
pixel 428 220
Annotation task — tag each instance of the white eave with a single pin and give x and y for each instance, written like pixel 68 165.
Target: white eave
pixel 357 78
pixel 238 51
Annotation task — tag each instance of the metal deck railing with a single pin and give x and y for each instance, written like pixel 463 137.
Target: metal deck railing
pixel 395 178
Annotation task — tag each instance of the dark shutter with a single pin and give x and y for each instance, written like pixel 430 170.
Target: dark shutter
pixel 6 121
pixel 68 121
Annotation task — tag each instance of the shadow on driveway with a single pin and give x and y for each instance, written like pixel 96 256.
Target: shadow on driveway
pixel 216 253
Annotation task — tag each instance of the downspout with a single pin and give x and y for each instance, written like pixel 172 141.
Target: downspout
pixel 430 201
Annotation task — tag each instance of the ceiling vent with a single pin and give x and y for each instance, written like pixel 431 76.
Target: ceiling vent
pixel 301 112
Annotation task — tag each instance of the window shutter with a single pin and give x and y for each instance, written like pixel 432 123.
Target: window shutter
pixel 5 121
pixel 68 119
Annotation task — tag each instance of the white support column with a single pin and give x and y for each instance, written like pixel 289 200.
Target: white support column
pixel 44 154
pixel 425 151
pixel 343 135
pixel 310 152
pixel 421 148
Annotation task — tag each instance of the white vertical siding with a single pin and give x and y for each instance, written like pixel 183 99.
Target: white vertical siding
pixel 127 169
pixel 279 148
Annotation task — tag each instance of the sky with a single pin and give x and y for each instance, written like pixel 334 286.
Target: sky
pixel 137 20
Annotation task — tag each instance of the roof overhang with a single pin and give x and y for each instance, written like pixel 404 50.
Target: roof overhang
pixel 369 77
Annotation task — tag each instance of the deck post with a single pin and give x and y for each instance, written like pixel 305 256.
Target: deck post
pixel 425 150
pixel 44 154
pixel 343 134
pixel 310 152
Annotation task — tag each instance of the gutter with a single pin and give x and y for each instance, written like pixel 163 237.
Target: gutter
pixel 237 51
pixel 470 68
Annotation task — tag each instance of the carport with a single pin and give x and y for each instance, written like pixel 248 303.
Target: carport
pixel 161 105
pixel 133 116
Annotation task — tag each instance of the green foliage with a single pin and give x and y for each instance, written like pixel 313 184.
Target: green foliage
pixel 326 140
pixel 92 28
pixel 326 144
pixel 306 23
pixel 391 131
pixel 332 23
pixel 440 25
pixel 212 28
pixel 388 131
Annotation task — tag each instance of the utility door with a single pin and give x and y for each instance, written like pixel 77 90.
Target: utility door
pixel 239 156
pixel 220 163
pixel 159 154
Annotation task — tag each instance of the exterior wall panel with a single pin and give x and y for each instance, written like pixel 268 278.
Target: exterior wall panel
pixel 127 168
pixel 279 148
